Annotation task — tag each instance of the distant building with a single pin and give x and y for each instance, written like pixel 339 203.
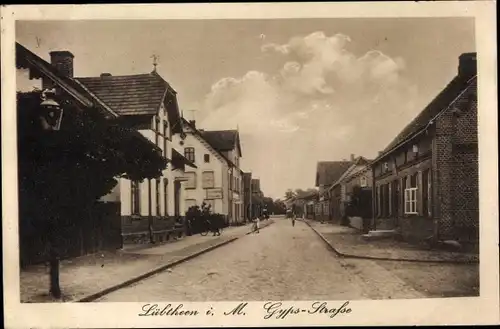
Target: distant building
pixel 327 173
pixel 339 196
pixel 426 179
pixel 257 198
pixel 247 195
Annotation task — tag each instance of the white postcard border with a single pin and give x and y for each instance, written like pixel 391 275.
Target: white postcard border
pixel 478 310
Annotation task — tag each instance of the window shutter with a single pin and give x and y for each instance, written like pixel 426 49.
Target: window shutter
pixel 419 194
pixel 407 200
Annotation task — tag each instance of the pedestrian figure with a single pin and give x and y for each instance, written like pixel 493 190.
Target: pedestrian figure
pixel 257 225
pixel 293 220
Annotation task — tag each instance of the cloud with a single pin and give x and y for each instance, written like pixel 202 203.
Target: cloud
pixel 324 103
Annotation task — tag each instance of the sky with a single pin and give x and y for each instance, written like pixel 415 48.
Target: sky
pixel 298 90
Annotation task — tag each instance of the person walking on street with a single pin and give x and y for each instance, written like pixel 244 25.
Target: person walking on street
pixel 257 225
pixel 293 220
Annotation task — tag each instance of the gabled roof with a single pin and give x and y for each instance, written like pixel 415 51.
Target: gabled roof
pixel 139 94
pixel 358 162
pixel 327 172
pixel 438 105
pixel 200 135
pixel 223 140
pixel 129 94
pixel 40 68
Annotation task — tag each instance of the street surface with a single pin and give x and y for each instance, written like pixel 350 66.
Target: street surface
pixel 279 263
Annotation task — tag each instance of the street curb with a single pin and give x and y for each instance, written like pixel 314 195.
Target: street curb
pixel 151 273
pixel 158 270
pixel 409 260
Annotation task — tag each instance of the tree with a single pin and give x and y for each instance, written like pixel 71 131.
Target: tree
pixel 62 173
pixel 289 194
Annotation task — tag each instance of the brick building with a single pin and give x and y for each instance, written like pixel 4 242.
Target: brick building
pixel 426 180
pixel 338 190
pixel 327 173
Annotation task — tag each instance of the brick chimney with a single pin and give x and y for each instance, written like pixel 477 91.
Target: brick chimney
pixel 352 157
pixel 62 61
pixel 467 65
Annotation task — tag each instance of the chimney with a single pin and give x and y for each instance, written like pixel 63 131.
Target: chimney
pixel 193 123
pixel 467 65
pixel 352 157
pixel 62 61
pixel 103 75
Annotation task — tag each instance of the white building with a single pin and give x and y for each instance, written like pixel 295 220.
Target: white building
pixel 208 182
pixel 146 102
pixel 217 180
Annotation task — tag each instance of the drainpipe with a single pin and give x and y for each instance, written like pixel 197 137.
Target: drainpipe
pixel 150 218
pixel 374 200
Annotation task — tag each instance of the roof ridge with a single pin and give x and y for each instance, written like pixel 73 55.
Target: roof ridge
pixel 116 76
pixel 456 82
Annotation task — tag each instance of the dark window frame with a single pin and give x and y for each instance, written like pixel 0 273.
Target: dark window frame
pixel 189 153
pixel 135 198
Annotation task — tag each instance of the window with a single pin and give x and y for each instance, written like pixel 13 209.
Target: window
pixel 207 179
pixel 363 181
pixel 135 197
pixel 411 195
pixel 191 182
pixel 190 203
pixel 426 193
pixel 189 153
pixel 157 129
pixel 165 197
pixel 157 190
pixel 206 158
pixel 165 132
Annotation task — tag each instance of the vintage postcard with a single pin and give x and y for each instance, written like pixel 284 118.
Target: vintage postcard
pixel 307 164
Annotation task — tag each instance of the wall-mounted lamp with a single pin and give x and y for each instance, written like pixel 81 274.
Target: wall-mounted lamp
pixel 50 111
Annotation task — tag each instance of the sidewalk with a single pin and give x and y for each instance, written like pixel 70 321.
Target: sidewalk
pixel 87 277
pixel 348 242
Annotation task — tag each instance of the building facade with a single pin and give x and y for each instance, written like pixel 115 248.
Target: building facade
pixel 247 196
pixel 339 193
pixel 89 122
pixel 151 210
pixel 207 183
pixel 426 180
pixel 227 142
pixel 327 173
